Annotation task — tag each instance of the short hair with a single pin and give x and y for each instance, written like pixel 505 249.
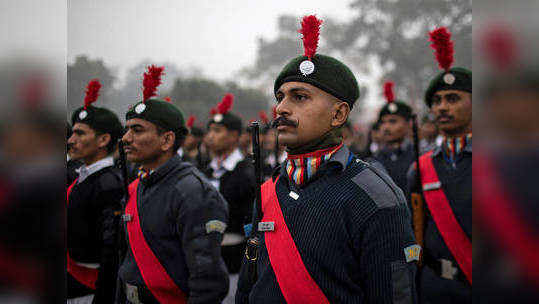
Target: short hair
pixel 179 136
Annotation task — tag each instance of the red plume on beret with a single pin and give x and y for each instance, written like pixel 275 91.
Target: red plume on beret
pixel 92 92
pixel 443 47
pixel 274 112
pixel 152 79
pixel 226 104
pixel 191 121
pixel 213 111
pixel 388 91
pixel 263 117
pixel 310 28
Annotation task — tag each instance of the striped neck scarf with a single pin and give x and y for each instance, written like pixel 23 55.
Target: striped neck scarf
pixel 301 167
pixel 142 173
pixel 454 146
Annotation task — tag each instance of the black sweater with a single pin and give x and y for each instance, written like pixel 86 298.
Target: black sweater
pixel 351 226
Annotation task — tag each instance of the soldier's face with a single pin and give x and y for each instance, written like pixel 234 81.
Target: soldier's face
pixel 191 142
pixel 306 113
pixel 394 128
pixel 221 139
pixel 142 142
pixel 453 111
pixel 85 143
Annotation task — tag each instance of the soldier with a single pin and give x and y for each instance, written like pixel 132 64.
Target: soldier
pixel 397 154
pixel 334 230
pixel 445 179
pixel 191 148
pixel 232 174
pixel 92 200
pixel 174 219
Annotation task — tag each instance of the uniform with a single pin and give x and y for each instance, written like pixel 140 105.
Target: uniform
pixel 351 227
pixel 456 181
pixel 176 229
pixel 397 162
pixel 92 201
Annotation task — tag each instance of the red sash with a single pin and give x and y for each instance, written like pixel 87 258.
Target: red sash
pixel 153 273
pixel 498 214
pixel 86 276
pixel 442 214
pixel 294 280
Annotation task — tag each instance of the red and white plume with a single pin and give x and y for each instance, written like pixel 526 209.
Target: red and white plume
pixel 190 121
pixel 152 79
pixel 388 91
pixel 226 104
pixel 92 92
pixel 310 28
pixel 274 112
pixel 443 47
pixel 263 117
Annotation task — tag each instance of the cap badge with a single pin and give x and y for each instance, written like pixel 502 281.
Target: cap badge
pixel 449 78
pixel 140 108
pixel 306 67
pixel 218 117
pixel 392 108
pixel 83 114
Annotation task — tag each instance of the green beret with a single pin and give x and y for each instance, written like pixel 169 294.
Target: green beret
pixel 329 75
pixel 100 119
pixel 229 120
pixel 396 107
pixel 162 113
pixel 454 79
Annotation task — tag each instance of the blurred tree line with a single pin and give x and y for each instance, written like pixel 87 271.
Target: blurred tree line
pixel 387 38
pixel 390 34
pixel 190 90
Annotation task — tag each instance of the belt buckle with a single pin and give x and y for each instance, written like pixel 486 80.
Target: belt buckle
pixel 448 271
pixel 131 293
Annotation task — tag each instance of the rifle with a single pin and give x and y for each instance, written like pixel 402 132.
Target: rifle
pixel 251 250
pixel 120 236
pixel 417 201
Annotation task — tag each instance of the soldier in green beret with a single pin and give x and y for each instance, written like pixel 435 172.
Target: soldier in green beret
pixel 174 218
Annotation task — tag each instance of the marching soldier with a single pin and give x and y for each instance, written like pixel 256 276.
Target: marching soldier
pixel 93 198
pixel 445 179
pixel 174 219
pixel 333 229
pixel 397 154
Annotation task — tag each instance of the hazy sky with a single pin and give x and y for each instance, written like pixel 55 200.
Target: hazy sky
pixel 218 36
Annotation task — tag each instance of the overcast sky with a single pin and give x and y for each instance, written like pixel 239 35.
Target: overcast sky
pixel 219 36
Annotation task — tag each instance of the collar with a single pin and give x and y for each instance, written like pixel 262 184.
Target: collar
pixel 404 146
pixel 439 148
pixel 180 152
pixel 85 171
pixel 164 169
pixel 229 163
pixel 338 160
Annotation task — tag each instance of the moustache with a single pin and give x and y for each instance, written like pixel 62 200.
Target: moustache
pixel 283 121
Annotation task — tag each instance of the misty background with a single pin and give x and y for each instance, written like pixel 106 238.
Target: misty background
pixel 209 48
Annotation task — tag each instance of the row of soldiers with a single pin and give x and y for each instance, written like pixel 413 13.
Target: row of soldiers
pixel 158 221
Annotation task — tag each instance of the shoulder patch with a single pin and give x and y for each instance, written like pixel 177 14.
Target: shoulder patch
pixel 412 253
pixel 377 188
pixel 215 226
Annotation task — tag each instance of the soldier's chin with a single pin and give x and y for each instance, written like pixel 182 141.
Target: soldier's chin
pixel 287 139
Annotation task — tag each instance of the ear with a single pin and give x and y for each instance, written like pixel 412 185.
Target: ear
pixel 341 110
pixel 103 140
pixel 168 140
